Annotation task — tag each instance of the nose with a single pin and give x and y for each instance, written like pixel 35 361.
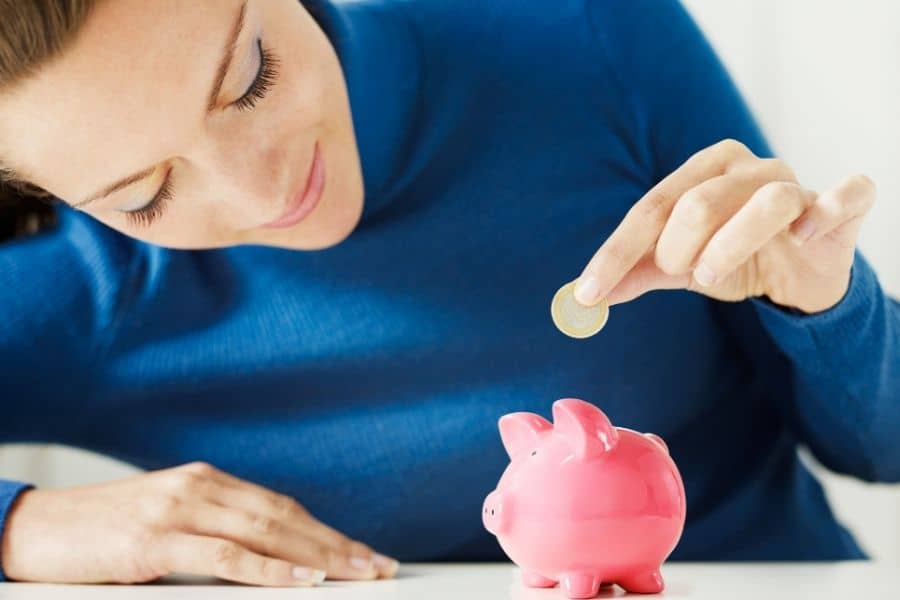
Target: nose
pixel 493 514
pixel 250 186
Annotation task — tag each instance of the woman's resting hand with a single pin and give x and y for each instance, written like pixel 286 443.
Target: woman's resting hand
pixel 730 225
pixel 192 519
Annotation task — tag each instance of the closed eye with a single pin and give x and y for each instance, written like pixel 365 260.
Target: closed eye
pixel 266 77
pixel 146 216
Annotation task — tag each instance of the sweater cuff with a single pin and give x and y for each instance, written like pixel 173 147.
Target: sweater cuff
pixel 9 493
pixel 832 341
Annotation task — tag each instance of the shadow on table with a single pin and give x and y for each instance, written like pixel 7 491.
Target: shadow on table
pixel 518 591
pixel 191 580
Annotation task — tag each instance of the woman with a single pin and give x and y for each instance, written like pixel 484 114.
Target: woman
pixel 452 164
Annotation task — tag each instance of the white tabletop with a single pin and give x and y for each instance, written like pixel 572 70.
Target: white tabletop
pixel 760 581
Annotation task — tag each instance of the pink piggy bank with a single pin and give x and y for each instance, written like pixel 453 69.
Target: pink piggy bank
pixel 584 503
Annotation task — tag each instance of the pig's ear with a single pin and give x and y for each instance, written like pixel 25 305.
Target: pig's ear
pixel 584 426
pixel 521 431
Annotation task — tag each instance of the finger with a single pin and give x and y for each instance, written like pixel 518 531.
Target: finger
pixel 243 494
pixel 844 204
pixel 255 500
pixel 769 212
pixel 230 491
pixel 645 277
pixel 199 555
pixel 269 536
pixel 644 222
pixel 703 209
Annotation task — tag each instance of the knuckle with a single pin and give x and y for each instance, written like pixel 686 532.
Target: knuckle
pixel 774 168
pixel 184 483
pixel 263 525
pixel 695 209
pixel 654 205
pixel 267 570
pixel 161 509
pixel 773 188
pixel 284 506
pixel 337 539
pixel 732 150
pixel 200 469
pixel 226 556
pixel 344 548
pixel 354 548
pixel 326 558
pixel 778 198
pixel 733 147
pixel 616 252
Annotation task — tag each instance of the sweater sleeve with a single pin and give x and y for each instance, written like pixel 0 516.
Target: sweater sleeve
pixel 61 292
pixel 846 376
pixel 844 363
pixel 9 493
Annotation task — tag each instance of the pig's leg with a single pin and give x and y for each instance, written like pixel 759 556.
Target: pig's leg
pixel 644 583
pixel 580 584
pixel 532 579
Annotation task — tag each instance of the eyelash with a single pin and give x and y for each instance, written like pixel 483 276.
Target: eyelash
pixel 265 79
pixel 154 210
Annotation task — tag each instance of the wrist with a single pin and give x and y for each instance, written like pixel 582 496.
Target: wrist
pixel 843 320
pixel 9 532
pixel 820 299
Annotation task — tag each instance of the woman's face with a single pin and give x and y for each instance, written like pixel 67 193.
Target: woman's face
pixel 134 110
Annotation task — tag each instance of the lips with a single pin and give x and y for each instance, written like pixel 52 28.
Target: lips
pixel 303 202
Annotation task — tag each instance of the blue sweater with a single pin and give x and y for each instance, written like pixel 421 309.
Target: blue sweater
pixel 501 143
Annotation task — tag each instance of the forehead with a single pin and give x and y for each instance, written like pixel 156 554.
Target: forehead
pixel 121 98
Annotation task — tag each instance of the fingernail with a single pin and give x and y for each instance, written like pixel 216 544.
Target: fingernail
pixel 587 289
pixel 385 563
pixel 362 564
pixel 803 230
pixel 305 574
pixel 704 275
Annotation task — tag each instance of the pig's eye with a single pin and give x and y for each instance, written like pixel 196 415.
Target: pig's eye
pixel 533 452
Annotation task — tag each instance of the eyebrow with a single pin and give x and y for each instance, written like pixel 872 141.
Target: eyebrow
pixel 227 57
pixel 221 72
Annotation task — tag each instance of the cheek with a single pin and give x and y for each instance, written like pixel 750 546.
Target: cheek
pixel 308 66
pixel 302 96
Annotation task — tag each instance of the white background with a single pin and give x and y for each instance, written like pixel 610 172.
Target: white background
pixel 823 78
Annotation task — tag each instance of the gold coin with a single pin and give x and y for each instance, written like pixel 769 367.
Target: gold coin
pixel 575 319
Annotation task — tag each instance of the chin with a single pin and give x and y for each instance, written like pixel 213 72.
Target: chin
pixel 330 224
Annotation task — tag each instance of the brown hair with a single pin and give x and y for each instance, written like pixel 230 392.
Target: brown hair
pixel 32 33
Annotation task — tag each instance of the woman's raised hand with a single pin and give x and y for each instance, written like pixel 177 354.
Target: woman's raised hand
pixel 192 519
pixel 730 225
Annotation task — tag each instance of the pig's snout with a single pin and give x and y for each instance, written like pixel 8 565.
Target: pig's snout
pixel 495 513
